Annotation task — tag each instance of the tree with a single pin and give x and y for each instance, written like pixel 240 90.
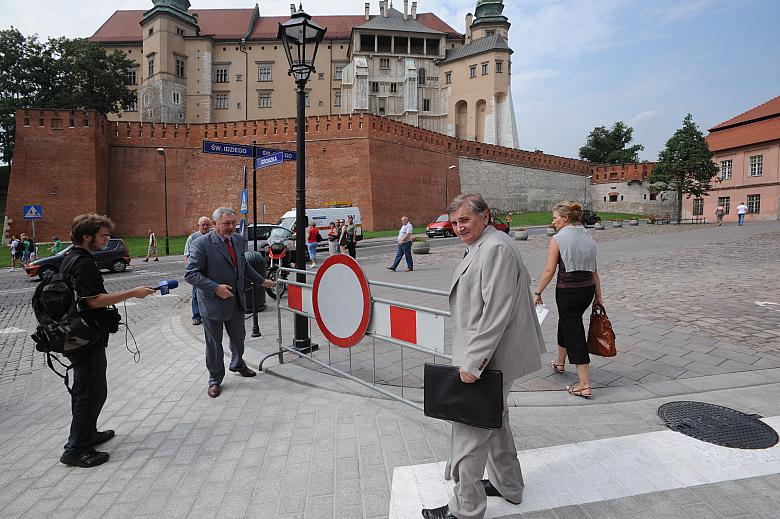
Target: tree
pixel 609 146
pixel 61 73
pixel 685 165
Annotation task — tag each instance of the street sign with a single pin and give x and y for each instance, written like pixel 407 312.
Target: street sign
pixel 32 212
pixel 226 148
pixel 269 160
pixel 288 155
pixel 244 202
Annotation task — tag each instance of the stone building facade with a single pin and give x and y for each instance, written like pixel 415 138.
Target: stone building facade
pixel 222 65
pixel 624 188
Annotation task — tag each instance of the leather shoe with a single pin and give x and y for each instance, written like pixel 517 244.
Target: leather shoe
pixel 443 512
pixel 214 390
pixel 244 372
pixel 196 321
pixel 490 490
pixel 103 436
pixel 90 458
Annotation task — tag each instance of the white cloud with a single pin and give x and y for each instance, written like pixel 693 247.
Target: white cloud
pixel 642 117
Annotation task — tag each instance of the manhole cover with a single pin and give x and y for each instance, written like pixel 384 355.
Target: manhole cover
pixel 717 424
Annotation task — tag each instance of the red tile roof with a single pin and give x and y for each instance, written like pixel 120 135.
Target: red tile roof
pixel 769 109
pixel 232 24
pixel 745 135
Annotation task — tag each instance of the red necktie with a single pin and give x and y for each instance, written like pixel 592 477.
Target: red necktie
pixel 232 252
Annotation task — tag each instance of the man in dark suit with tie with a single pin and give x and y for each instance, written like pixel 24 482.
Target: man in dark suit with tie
pixel 216 268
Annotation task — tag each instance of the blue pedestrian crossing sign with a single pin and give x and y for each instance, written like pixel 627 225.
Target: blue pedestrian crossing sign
pixel 32 212
pixel 244 202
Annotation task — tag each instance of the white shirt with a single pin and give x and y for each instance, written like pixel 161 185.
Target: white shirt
pixel 742 209
pixel 405 233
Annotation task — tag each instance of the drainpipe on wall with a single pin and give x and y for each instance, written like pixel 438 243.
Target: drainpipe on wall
pixel 242 48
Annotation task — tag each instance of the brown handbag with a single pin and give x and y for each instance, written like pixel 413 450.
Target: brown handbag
pixel 601 337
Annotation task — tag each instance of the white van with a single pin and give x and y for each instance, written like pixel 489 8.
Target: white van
pixel 323 217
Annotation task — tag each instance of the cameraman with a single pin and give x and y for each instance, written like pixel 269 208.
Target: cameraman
pixel 89 233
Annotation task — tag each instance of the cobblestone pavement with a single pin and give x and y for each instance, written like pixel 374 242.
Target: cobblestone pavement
pixel 295 443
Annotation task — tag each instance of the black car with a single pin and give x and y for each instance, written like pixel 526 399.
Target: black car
pixel 589 217
pixel 114 258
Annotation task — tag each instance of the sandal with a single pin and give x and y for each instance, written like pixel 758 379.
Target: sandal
pixel 580 392
pixel 557 368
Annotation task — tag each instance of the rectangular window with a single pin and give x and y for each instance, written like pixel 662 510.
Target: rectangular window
pixel 485 69
pixel 653 196
pixel 176 98
pixel 426 105
pixel 698 206
pixel 222 75
pixel 320 76
pixel 726 167
pixel 374 87
pixel 499 67
pixel 421 77
pixel 264 100
pixel 393 88
pixel 754 204
pixel 150 68
pixel 132 76
pixel 132 106
pixel 490 32
pixel 308 97
pixel 179 31
pixel 264 72
pixel 179 67
pixel 239 77
pixel 725 201
pixel 337 98
pixel 384 63
pixel 756 165
pixel 448 77
pixel 473 71
pixel 337 72
pixel 221 102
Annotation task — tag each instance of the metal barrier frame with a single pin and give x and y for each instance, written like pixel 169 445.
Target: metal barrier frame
pixel 374 336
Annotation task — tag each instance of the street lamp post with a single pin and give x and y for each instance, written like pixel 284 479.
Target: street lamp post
pixel 447 188
pixel 301 37
pixel 161 151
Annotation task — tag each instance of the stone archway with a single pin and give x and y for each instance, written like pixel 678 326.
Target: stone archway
pixel 479 132
pixel 461 119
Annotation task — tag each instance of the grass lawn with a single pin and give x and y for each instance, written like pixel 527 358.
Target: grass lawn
pixel 544 218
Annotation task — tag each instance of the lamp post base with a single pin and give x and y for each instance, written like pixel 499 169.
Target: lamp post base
pixel 305 345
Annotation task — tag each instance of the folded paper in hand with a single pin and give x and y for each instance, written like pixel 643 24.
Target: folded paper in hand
pixel 541 312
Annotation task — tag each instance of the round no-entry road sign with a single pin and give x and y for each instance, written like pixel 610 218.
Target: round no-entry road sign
pixel 341 300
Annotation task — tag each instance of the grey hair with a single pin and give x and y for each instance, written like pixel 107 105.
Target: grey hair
pixel 220 211
pixel 475 201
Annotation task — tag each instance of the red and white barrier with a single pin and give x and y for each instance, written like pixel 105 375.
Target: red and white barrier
pixel 415 327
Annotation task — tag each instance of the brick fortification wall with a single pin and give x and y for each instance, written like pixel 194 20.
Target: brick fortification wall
pixel 386 168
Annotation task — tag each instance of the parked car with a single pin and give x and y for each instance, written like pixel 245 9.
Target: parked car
pixel 500 224
pixel 114 258
pixel 589 217
pixel 440 226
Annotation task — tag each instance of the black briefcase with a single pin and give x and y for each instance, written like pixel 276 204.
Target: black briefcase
pixel 480 404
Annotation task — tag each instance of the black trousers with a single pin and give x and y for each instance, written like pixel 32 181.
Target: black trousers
pixel 572 303
pixel 351 248
pixel 89 395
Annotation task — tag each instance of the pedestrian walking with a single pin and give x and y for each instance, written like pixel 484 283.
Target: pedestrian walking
pixel 89 234
pixel 217 267
pixel 719 212
pixel 742 210
pixel 404 246
pixel 509 220
pixel 333 239
pixel 350 236
pixel 26 248
pixel 204 225
pixel 56 246
pixel 152 248
pixel 494 326
pixel 16 251
pixel 573 253
pixel 312 234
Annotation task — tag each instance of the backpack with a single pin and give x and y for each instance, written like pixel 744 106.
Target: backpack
pixel 63 325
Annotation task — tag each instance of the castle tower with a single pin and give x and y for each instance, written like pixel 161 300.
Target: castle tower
pixel 163 90
pixel 479 77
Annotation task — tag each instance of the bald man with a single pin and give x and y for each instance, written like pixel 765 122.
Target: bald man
pixel 204 226
pixel 404 246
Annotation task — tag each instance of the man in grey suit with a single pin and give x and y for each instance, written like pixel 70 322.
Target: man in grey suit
pixel 494 326
pixel 216 268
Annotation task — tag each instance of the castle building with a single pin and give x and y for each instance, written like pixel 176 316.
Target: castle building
pixel 223 65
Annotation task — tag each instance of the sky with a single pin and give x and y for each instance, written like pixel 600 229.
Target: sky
pixel 577 64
